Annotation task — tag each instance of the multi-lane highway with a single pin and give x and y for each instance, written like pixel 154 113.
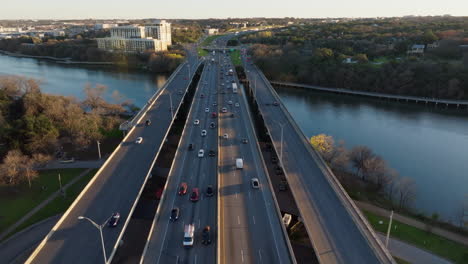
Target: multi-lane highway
pixel 337 231
pixel 165 239
pixel 250 226
pixel 116 186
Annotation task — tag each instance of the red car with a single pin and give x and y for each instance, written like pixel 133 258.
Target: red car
pixel 213 115
pixel 183 188
pixel 195 195
pixel 159 193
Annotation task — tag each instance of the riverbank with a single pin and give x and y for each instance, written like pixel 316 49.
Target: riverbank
pixel 57 60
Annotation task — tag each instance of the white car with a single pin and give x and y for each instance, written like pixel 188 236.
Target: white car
pixel 203 133
pixel 237 104
pixel 139 140
pixel 225 136
pixel 224 110
pixel 255 183
pixel 229 102
pixel 201 153
pixel 196 122
pixel 207 110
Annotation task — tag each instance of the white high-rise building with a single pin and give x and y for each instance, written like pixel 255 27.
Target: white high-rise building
pixel 156 37
pixel 127 32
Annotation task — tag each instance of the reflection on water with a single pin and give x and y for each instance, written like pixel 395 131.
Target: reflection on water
pixel 70 80
pixel 427 144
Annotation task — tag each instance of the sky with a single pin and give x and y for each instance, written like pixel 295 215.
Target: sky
pixel 195 9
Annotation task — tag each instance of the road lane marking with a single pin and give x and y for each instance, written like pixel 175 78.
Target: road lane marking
pixel 253 219
pixel 242 255
pixel 195 262
pixel 260 255
pixel 238 220
pixel 236 195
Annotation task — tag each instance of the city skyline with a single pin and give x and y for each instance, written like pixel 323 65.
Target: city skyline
pixel 55 9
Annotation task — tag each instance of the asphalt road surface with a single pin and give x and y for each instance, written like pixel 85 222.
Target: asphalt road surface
pixel 250 229
pixel 116 187
pixel 165 240
pixel 334 234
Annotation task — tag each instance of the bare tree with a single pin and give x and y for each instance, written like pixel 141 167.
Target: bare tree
pixel 359 156
pixel 28 170
pixel 11 167
pixel 376 170
pixel 392 185
pixel 406 192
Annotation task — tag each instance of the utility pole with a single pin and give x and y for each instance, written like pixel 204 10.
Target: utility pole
pixel 99 227
pixel 99 148
pixel 60 184
pixel 389 228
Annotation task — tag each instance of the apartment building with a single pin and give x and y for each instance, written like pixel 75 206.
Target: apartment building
pixel 127 32
pixel 131 45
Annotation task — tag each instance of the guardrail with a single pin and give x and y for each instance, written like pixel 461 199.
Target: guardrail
pixel 352 209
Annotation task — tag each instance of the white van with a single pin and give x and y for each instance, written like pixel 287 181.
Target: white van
pixel 188 235
pixel 239 163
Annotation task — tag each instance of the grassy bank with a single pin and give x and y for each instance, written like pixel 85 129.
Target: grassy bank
pixel 436 244
pixel 60 204
pixel 17 201
pixel 236 57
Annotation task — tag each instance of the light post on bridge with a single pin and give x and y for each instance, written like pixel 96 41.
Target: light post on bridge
pixel 99 148
pixel 99 227
pixel 172 108
pixel 281 146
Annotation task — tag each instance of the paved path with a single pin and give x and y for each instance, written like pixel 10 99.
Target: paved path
pixel 412 222
pixel 41 205
pixel 81 164
pixel 411 253
pixel 18 247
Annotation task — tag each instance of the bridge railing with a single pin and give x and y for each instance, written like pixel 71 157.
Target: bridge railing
pixel 352 209
pixel 133 121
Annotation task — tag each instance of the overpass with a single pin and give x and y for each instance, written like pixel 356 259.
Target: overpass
pixel 338 231
pixel 118 184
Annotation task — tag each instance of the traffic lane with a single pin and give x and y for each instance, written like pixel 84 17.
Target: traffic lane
pixel 171 249
pixel 105 194
pixel 332 211
pixel 263 198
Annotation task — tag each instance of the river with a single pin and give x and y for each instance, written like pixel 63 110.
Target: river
pixel 426 144
pixel 70 80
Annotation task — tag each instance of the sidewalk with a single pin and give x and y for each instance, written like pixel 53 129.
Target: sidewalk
pixel 412 222
pixel 411 253
pixel 41 205
pixel 80 164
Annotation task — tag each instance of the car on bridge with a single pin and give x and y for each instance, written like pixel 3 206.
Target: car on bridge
pixel 196 122
pixel 213 115
pixel 203 133
pixel 148 122
pixel 209 190
pixel 175 214
pixel 201 153
pixel 206 235
pixel 139 140
pixel 195 195
pixel 255 183
pixel 183 188
pixel 207 110
pixel 114 220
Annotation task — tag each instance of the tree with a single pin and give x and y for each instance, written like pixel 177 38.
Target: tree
pixel 361 58
pixel 11 167
pixel 28 169
pixel 359 156
pixel 406 192
pixel 324 144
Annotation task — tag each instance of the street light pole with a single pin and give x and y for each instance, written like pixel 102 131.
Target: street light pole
pixel 99 148
pixel 172 109
pixel 99 227
pixel 389 228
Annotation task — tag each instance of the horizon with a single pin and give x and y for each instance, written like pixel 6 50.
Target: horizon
pixel 210 9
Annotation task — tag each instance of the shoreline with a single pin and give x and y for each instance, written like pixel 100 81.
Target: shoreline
pixel 57 60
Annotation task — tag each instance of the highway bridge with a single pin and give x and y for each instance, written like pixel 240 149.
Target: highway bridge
pixel 245 222
pixel 118 183
pixel 338 231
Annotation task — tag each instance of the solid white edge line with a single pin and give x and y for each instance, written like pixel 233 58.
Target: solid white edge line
pixel 75 202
